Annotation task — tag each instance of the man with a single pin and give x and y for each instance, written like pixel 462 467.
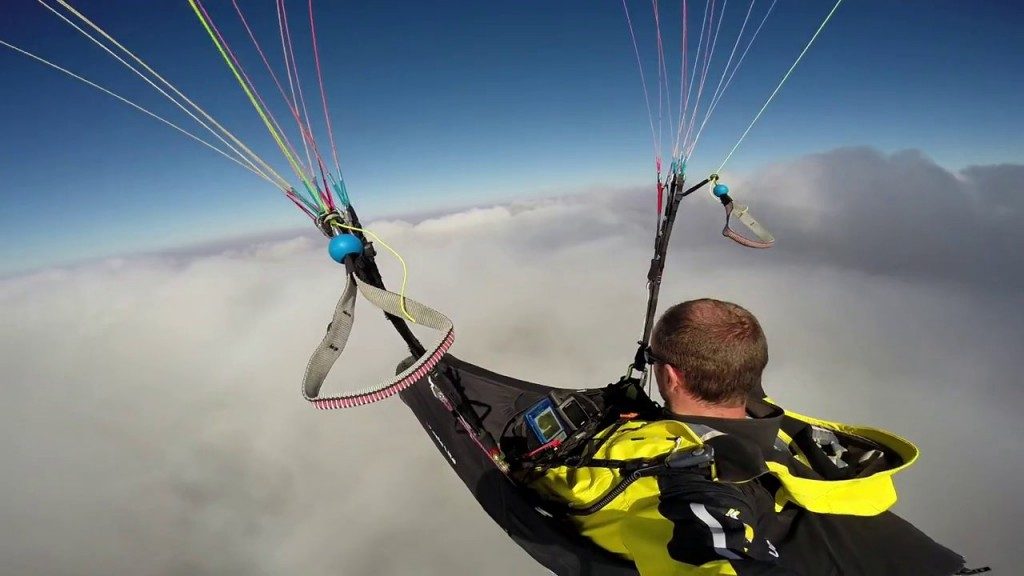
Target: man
pixel 787 494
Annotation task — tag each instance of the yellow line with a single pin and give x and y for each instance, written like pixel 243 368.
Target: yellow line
pixel 405 270
pixel 252 99
pixel 239 143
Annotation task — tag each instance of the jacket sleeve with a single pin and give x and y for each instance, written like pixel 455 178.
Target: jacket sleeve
pixel 698 527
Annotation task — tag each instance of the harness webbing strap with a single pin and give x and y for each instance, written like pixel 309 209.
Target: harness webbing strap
pixel 333 344
pixel 742 212
pixel 661 243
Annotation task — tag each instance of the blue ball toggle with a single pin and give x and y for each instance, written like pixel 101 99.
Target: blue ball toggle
pixel 342 245
pixel 720 190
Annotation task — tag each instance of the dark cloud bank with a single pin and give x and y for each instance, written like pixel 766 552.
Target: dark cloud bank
pixel 152 421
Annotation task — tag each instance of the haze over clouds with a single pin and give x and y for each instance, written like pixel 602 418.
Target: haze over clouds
pixel 153 424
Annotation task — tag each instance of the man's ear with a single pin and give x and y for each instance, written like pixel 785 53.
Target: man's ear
pixel 668 377
pixel 674 377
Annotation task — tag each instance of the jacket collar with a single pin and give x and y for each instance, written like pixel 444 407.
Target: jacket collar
pixel 741 445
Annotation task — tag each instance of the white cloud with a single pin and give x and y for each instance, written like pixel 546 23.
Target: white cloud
pixel 152 420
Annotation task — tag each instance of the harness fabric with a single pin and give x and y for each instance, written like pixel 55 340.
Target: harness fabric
pixel 765 511
pixel 711 520
pixel 489 400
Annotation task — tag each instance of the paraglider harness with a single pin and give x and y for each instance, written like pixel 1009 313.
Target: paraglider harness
pixel 550 427
pixel 562 427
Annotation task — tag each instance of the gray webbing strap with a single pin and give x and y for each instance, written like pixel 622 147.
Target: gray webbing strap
pixel 742 212
pixel 333 344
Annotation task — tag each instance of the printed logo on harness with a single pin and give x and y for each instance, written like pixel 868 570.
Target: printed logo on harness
pixel 441 445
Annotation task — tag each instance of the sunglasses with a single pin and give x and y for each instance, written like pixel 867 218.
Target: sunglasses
pixel 651 358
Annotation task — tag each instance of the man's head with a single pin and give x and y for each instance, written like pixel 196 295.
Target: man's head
pixel 710 353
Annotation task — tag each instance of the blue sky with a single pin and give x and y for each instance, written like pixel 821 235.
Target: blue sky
pixel 446 104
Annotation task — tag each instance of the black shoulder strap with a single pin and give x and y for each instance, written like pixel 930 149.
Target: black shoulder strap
pixel 661 242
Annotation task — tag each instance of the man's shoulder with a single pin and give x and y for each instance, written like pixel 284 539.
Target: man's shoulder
pixel 648 438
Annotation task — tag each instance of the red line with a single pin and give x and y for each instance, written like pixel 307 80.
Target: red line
pixel 295 113
pixel 290 53
pixel 378 395
pixel 241 70
pixel 323 93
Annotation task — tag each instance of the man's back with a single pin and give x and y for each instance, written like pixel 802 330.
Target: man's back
pixel 788 495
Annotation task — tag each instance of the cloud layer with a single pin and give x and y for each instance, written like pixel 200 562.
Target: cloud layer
pixel 153 424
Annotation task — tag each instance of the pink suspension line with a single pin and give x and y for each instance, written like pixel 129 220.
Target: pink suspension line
pixel 245 76
pixel 661 91
pixel 662 76
pixel 293 102
pixel 693 76
pixel 682 78
pixel 323 93
pixel 708 54
pixel 643 82
pixel 306 136
pixel 286 41
pixel 749 44
pixel 325 192
pixel 295 200
pixel 720 89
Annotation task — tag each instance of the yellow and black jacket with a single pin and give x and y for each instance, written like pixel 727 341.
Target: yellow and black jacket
pixel 787 495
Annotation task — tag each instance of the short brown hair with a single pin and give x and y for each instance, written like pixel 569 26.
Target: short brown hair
pixel 718 345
